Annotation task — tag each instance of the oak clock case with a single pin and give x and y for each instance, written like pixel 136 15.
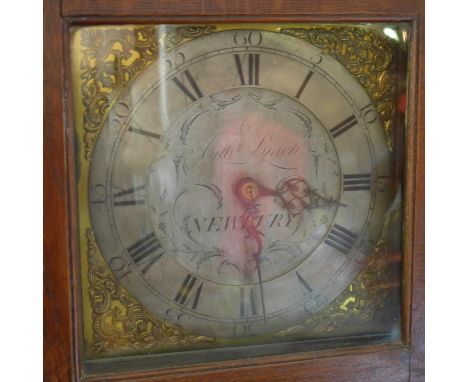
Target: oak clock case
pixel 237 186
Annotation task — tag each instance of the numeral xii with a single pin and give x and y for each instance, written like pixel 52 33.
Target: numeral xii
pixel 253 62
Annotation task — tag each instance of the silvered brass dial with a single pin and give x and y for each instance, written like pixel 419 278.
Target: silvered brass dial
pixel 233 186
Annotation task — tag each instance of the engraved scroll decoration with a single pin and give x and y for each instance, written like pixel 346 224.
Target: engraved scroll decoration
pixel 119 322
pixel 114 56
pixel 111 58
pixel 363 297
pixel 367 56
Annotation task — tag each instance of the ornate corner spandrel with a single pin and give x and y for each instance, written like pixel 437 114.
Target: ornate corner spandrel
pixel 363 298
pixel 368 56
pixel 111 57
pixel 120 324
pixel 173 37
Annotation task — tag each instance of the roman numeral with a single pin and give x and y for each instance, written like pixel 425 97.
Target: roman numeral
pixel 341 239
pixel 128 202
pixel 198 94
pixel 343 126
pixel 138 130
pixel 247 303
pixel 356 182
pixel 146 133
pixel 253 60
pixel 304 286
pixel 145 252
pixel 185 295
pixel 304 84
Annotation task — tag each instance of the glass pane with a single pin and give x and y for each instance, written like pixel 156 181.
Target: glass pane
pixel 239 187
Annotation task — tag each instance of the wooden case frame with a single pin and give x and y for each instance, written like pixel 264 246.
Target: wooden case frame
pixel 392 362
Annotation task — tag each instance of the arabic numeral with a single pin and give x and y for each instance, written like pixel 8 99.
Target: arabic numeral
pixel 121 109
pixel 252 38
pixel 316 60
pixel 315 304
pixel 178 60
pixel 383 183
pixel 369 114
pixel 98 194
pixel 119 266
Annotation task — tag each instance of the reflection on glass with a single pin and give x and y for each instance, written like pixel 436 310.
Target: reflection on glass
pixel 240 186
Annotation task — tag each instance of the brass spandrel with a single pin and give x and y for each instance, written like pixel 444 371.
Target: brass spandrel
pixel 365 296
pixel 120 324
pixel 111 57
pixel 368 56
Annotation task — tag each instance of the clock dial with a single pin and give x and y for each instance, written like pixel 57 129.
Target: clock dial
pixel 233 187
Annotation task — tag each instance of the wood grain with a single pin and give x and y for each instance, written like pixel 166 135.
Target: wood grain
pixel 61 347
pixel 372 366
pixel 262 8
pixel 57 289
pixel 417 318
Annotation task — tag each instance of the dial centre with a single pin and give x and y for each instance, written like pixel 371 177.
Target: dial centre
pixel 248 190
pixel 231 153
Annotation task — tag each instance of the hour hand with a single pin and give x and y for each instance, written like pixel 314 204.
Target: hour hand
pixel 249 190
pixel 296 196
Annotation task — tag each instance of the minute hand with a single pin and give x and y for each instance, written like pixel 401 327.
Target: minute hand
pixel 255 234
pixel 296 195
